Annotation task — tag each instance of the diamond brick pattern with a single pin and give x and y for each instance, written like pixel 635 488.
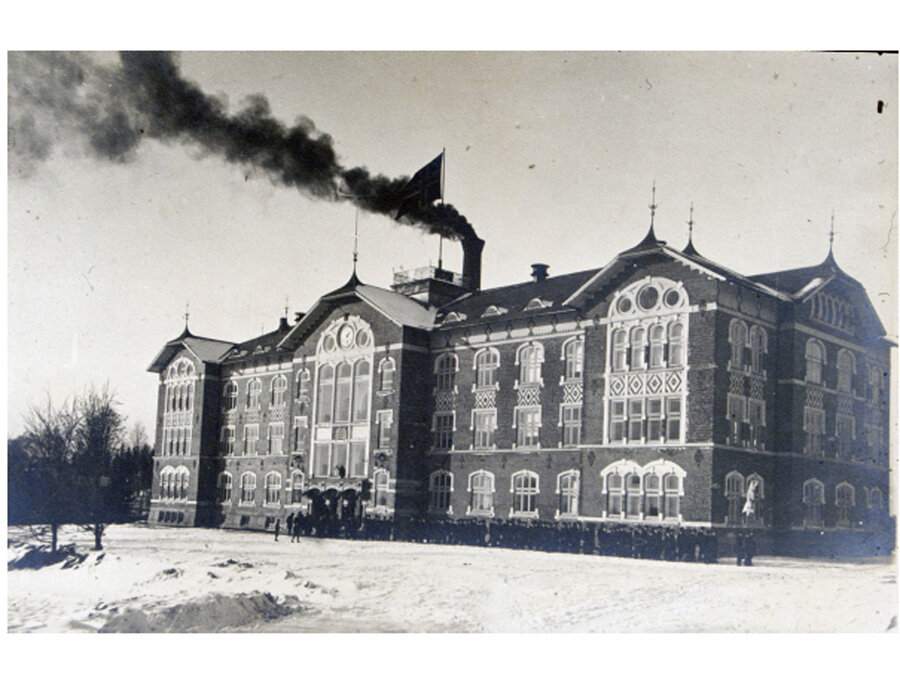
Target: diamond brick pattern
pixel 486 399
pixel 736 384
pixel 444 401
pixel 654 384
pixel 617 386
pixel 814 398
pixel 635 385
pixel 757 388
pixel 674 382
pixel 529 395
pixel 573 393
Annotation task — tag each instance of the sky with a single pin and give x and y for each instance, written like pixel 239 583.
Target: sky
pixel 549 155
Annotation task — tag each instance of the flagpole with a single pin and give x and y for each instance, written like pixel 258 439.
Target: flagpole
pixel 441 236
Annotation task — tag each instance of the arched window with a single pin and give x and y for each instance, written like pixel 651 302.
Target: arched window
pixel 273 488
pixel 676 344
pixel 445 372
pixel 844 500
pixel 734 495
pixel 386 374
pixel 737 338
pixel 846 367
pixel 619 350
pixel 672 486
pixel 813 502
pixel 567 490
pixel 481 493
pixel 876 499
pixel 342 389
pixel 440 486
pixel 279 386
pixel 324 398
pixel 574 355
pixel 657 346
pixel 633 495
pixel 525 489
pixel 303 384
pixel 230 395
pixel 530 358
pixel 254 390
pixel 165 482
pixel 183 481
pixel 758 348
pixel 815 359
pixel 487 361
pixel 248 488
pixel 637 348
pixel 223 486
pixel 296 487
pixel 615 494
pixel 361 391
pixel 652 496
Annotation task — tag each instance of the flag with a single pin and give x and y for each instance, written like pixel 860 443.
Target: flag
pixel 749 509
pixel 423 188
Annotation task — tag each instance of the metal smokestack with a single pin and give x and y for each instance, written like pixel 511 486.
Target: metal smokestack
pixel 472 247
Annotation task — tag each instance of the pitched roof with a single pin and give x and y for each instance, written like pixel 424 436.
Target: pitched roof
pixel 207 350
pixel 513 301
pixel 266 343
pixel 800 281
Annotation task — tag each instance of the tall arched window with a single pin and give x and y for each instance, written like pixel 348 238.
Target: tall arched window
pixel 734 495
pixel 525 488
pixel 279 387
pixel 224 487
pixel 567 490
pixel 652 496
pixel 303 384
pixel 574 355
pixel 673 489
pixel 487 362
pixel 813 502
pixel 382 488
pixel 254 390
pixel 637 348
pixel 844 500
pixel 248 488
pixel 324 399
pixel 619 350
pixel 440 487
pixel 846 367
pixel 815 359
pixel 481 493
pixel 296 487
pixel 737 338
pixel 230 395
pixel 530 359
pixel 445 372
pixel 758 348
pixel 676 344
pixel 615 495
pixel 633 495
pixel 273 488
pixel 657 346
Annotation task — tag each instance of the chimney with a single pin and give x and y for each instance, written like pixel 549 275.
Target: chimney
pixel 472 247
pixel 539 271
pixel 283 324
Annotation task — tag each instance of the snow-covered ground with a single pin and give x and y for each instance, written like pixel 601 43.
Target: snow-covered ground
pixel 360 586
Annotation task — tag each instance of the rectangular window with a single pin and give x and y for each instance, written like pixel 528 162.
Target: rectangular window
pixel 276 438
pixel 654 420
pixel 443 431
pixel 251 436
pixel 617 421
pixel 320 466
pixel 357 462
pixel 673 418
pixel 635 419
pixel 737 416
pixel 385 419
pixel 528 424
pixel 571 425
pixel 485 424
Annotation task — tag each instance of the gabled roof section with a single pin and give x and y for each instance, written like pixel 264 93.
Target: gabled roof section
pixel 515 299
pixel 653 246
pixel 400 309
pixel 264 344
pixel 802 281
pixel 206 350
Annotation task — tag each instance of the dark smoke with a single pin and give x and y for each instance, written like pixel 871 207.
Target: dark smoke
pixel 113 108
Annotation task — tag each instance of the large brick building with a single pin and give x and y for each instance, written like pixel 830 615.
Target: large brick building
pixel 661 388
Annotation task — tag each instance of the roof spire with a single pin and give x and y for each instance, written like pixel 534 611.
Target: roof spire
pixel 650 241
pixel 286 306
pixel 829 259
pixel 653 205
pixel 356 239
pixel 187 314
pixel 689 249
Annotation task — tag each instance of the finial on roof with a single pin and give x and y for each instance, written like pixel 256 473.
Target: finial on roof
pixel 689 249
pixel 356 239
pixel 652 205
pixel 286 306
pixel 829 259
pixel 185 333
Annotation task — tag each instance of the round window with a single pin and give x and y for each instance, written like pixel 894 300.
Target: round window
pixel 672 298
pixel 648 297
pixel 624 305
pixel 362 338
pixel 329 343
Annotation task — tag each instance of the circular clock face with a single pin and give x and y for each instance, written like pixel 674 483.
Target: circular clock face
pixel 346 336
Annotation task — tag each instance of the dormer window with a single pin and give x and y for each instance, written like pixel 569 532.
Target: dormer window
pixel 537 303
pixel 494 310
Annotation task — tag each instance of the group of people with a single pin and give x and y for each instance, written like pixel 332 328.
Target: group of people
pixel 297 525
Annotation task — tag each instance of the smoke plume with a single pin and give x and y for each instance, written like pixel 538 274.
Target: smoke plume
pixel 113 108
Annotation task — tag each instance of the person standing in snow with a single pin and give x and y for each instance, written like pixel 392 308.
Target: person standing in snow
pixel 277 527
pixel 295 534
pixel 290 523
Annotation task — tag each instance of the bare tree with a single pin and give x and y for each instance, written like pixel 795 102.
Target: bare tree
pixel 99 439
pixel 50 441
